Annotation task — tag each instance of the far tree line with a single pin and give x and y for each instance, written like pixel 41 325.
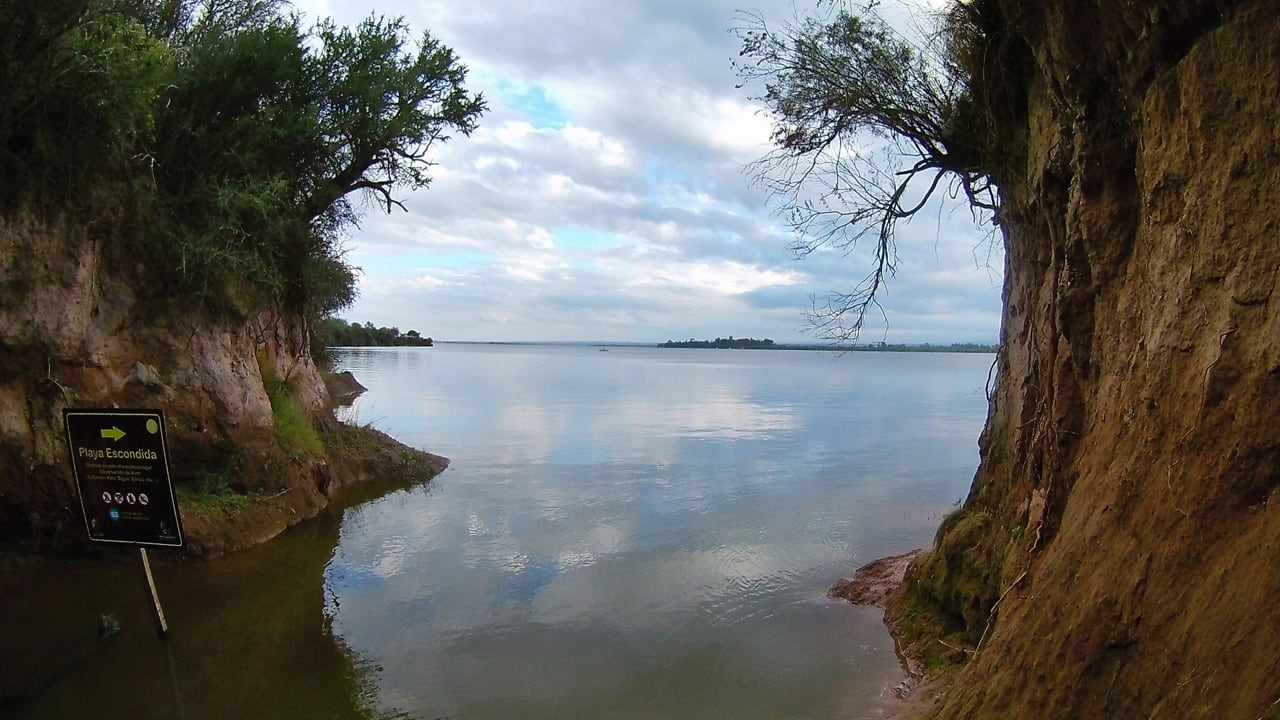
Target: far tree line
pixel 335 332
pixel 728 343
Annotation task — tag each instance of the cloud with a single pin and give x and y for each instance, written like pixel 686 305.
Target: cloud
pixel 604 195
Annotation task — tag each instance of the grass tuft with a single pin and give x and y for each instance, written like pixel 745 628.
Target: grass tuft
pixel 209 494
pixel 292 428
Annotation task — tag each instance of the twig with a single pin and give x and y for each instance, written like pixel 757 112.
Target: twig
pixel 992 615
pixel 1168 481
pixel 944 643
pixel 51 379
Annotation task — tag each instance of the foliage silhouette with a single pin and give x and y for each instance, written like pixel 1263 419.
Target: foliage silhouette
pixel 226 146
pixel 867 126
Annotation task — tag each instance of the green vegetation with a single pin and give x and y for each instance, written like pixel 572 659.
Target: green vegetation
pixel 333 332
pixel 767 344
pixel 219 147
pixel 209 493
pixel 722 343
pixel 867 125
pixel 292 428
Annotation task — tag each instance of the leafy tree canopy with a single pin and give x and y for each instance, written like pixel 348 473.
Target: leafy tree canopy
pixel 335 332
pixel 232 144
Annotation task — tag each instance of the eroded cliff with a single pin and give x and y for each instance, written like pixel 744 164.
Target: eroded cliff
pixel 1116 554
pixel 78 330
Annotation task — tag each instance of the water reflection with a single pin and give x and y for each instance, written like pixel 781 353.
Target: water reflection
pixel 250 637
pixel 647 532
pixel 632 534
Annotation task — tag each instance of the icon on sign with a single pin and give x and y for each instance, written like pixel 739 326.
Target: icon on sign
pixel 143 499
pixel 131 499
pixel 119 498
pixel 114 513
pixel 106 497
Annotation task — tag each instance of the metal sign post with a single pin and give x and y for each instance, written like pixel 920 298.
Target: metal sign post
pixel 121 468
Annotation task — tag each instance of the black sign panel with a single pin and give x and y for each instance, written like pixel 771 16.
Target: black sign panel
pixel 122 475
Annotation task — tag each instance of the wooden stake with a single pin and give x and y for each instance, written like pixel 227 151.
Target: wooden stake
pixel 162 626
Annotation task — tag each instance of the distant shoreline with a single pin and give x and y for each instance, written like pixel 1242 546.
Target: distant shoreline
pixel 877 347
pixel 975 348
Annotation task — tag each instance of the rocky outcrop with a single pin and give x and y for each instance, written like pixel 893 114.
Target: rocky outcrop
pixel 77 331
pixel 1116 554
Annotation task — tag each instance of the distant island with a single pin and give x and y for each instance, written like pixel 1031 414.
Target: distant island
pixel 731 343
pixel 728 343
pixel 332 332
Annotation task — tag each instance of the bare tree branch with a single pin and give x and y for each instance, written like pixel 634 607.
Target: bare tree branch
pixel 850 100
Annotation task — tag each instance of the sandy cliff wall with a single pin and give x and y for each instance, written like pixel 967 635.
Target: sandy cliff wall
pixel 77 331
pixel 1123 523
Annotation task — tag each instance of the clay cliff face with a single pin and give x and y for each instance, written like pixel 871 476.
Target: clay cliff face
pixel 75 331
pixel 1117 554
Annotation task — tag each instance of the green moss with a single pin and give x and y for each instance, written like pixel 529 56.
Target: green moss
pixel 948 594
pixel 293 430
pixel 208 493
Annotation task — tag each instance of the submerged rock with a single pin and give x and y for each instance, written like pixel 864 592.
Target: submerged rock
pixel 876 582
pixel 108 626
pixel 343 387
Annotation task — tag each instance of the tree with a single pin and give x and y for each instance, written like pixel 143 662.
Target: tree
pixel 332 332
pixel 77 84
pixel 866 127
pixel 383 105
pixel 227 141
pixel 275 130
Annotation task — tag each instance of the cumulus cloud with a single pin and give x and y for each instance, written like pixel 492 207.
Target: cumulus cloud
pixel 604 195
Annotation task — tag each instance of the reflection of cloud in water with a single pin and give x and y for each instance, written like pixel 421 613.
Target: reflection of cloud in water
pixel 575 558
pixel 631 425
pixel 342 577
pixel 522 584
pixel 727 418
pixel 391 557
pixel 668 509
pixel 475 526
pixel 725 584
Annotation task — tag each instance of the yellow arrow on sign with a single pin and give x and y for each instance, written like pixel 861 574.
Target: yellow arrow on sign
pixel 113 433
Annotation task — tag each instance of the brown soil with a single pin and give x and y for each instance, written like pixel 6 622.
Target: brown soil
pixel 1115 557
pixel 86 336
pixel 876 582
pixel 343 387
pixel 361 460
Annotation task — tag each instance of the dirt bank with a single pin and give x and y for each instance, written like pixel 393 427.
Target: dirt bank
pixel 1115 556
pixel 253 444
pixel 343 387
pixel 877 583
pixel 359 457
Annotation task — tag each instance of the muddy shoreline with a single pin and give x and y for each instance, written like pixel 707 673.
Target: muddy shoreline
pixel 876 584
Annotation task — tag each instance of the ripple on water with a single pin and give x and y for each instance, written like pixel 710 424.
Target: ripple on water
pixel 647 539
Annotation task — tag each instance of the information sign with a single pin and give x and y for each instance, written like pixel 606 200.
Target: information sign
pixel 122 474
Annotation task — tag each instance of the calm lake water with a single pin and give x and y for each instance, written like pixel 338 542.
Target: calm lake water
pixel 637 533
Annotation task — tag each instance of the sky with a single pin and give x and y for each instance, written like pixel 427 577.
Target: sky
pixel 605 196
